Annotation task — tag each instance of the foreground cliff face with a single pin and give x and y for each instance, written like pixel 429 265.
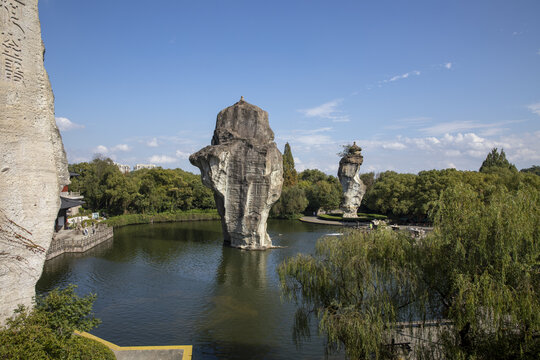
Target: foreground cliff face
pixel 244 168
pixel 349 176
pixel 33 165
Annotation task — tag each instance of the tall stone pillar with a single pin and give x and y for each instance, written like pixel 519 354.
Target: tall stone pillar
pixel 33 165
pixel 244 168
pixel 349 177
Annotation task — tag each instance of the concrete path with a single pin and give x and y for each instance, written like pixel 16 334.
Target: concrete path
pixel 316 220
pixel 144 352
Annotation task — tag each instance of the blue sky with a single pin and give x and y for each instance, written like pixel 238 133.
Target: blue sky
pixel 417 84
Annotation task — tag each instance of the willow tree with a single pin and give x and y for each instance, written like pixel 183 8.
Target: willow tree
pixel 478 271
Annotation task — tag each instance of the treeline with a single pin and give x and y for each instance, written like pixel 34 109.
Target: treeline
pixel 409 197
pixel 406 197
pixel 157 190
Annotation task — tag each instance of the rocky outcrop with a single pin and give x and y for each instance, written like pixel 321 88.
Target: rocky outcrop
pixel 349 176
pixel 33 165
pixel 244 168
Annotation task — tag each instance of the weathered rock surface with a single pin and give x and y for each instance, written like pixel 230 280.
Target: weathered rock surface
pixel 33 165
pixel 244 168
pixel 349 176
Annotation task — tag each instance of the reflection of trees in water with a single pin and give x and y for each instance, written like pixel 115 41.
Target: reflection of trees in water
pixel 162 243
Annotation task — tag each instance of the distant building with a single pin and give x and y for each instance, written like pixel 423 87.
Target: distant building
pixel 124 169
pixel 71 202
pixel 143 166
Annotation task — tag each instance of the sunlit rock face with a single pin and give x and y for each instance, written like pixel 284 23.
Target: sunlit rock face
pixel 244 168
pixel 349 176
pixel 33 165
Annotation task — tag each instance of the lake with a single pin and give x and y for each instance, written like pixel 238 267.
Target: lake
pixel 176 284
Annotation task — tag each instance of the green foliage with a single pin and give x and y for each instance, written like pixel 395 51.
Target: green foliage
pixel 478 269
pixel 46 332
pixel 292 202
pixel 148 190
pixel 322 191
pixel 392 193
pixel 414 196
pixel 340 285
pixel 176 216
pixel 66 312
pixel 290 176
pixel 495 162
pixel 535 169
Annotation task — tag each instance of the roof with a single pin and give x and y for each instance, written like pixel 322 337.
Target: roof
pixel 69 203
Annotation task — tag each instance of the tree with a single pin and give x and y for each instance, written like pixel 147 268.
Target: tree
pixel 535 169
pixel 478 270
pixel 496 161
pixel 291 204
pixel 47 331
pixel 290 177
pixel 393 194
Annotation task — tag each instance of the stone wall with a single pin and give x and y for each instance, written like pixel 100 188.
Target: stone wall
pixel 33 165
pixel 72 241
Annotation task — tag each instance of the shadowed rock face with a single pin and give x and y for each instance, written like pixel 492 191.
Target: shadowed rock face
pixel 33 165
pixel 349 176
pixel 244 168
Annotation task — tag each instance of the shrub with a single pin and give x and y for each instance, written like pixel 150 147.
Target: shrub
pixel 46 332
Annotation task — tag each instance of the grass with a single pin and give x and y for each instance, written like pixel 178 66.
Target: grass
pixel 176 216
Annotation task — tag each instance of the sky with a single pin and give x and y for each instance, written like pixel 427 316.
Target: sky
pixel 419 85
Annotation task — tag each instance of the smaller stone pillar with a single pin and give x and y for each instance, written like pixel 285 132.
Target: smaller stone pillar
pixel 349 177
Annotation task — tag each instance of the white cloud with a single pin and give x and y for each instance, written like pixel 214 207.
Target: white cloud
pixel 152 143
pixel 534 108
pixel 162 159
pixel 101 149
pixel 462 126
pixel 120 147
pixel 182 154
pixel 448 65
pixel 402 76
pixel 64 124
pixel 538 52
pixel 394 146
pixel 327 110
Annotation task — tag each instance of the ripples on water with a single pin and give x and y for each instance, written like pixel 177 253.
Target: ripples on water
pixel 175 284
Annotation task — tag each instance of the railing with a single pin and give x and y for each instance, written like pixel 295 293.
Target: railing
pixel 70 194
pixel 77 242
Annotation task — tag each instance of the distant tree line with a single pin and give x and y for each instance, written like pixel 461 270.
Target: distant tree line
pixel 156 190
pixel 410 197
pixel 406 196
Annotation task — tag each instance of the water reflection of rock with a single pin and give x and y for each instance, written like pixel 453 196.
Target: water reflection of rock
pixel 241 312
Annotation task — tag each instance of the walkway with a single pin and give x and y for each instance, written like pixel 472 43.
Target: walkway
pixel 175 352
pixel 316 220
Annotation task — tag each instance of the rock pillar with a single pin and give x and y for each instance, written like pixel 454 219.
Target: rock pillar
pixel 349 176
pixel 244 168
pixel 33 165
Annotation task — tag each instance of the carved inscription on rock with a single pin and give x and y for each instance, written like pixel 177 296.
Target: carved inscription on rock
pixel 11 35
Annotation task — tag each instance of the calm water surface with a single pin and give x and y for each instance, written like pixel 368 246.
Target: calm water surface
pixel 175 284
